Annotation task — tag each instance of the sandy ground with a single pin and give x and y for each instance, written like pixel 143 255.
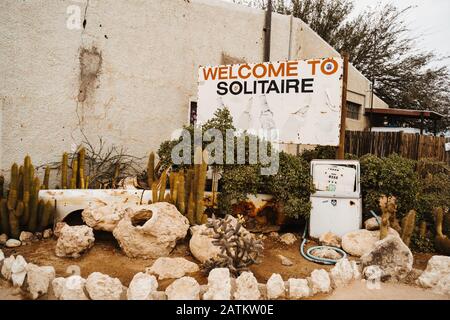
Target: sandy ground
pixel 106 257
pixel 388 291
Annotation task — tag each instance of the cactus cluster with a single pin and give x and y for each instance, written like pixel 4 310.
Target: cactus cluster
pixel 238 248
pixel 21 209
pixel 408 225
pixel 441 241
pixel 187 190
pixel 78 179
pixel 388 206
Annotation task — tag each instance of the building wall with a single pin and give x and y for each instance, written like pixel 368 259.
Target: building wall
pixel 129 74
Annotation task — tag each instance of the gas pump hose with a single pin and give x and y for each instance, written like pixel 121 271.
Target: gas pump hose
pixel 310 257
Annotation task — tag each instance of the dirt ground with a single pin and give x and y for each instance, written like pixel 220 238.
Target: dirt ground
pixel 106 257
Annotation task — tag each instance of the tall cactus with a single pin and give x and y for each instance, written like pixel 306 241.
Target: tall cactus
pixel 2 184
pixel 162 187
pixel 34 201
pixel 81 183
pixel 64 170
pixel 423 229
pixel 151 169
pixel 4 217
pixel 13 185
pixel 73 179
pixel 154 192
pixel 200 188
pixel 46 177
pixel 181 202
pixel 190 210
pixel 408 224
pixel 14 220
pixel 46 216
pixel 384 227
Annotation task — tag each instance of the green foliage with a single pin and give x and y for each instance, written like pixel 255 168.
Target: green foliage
pixel 319 152
pixel 237 182
pixel 292 186
pixel 392 176
pixel 221 121
pixel 422 244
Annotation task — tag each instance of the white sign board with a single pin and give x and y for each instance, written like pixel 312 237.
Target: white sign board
pixel 447 146
pixel 334 178
pixel 301 99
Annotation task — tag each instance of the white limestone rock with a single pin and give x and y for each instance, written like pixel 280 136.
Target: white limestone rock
pixel 6 267
pixel 437 268
pixel 26 236
pixel 73 241
pixel 288 238
pixel 326 253
pixel 157 237
pixel 373 273
pixel 219 285
pixel 103 217
pixel 372 224
pixel 276 288
pixel 247 287
pixel 71 288
pixel 172 268
pixel 342 273
pixel 18 271
pixel 103 287
pixel 330 239
pixel 142 287
pixel 13 243
pixel 185 288
pixel 298 288
pixel 360 242
pixel 47 234
pixel 320 281
pixel 39 279
pixel 392 256
pixel 443 286
pixel 201 243
pixel 3 239
pixel 356 270
pixel 58 228
pixel 285 261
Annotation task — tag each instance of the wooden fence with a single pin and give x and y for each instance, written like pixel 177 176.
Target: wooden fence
pixel 412 146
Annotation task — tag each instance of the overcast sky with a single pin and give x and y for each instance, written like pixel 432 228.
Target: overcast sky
pixel 428 18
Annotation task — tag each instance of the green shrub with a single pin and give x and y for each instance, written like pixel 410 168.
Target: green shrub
pixel 319 152
pixel 392 176
pixel 292 186
pixel 237 182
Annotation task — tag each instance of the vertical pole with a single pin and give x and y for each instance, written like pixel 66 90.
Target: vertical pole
pixel 267 31
pixel 421 123
pixel 341 148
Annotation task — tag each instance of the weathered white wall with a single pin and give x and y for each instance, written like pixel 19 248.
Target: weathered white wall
pixel 139 68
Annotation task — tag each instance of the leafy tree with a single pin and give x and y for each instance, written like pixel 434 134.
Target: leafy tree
pixel 380 46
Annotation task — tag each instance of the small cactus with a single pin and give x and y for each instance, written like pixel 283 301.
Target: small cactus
pixel 34 201
pixel 81 182
pixel 162 187
pixel 2 183
pixel 408 224
pixel 154 192
pixel 73 180
pixel 151 169
pixel 64 170
pixel 13 185
pixel 46 177
pixel 4 217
